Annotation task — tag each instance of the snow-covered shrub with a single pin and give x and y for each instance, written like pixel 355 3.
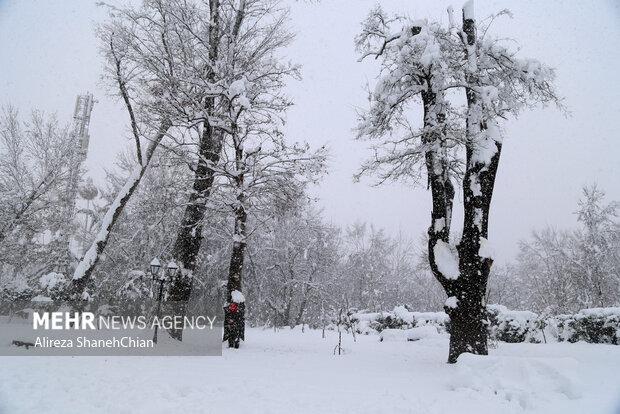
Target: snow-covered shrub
pixel 53 285
pixel 365 323
pixel 14 288
pixel 134 297
pixel 399 318
pixel 439 320
pixel 512 326
pixel 596 325
pixel 137 287
pixel 389 321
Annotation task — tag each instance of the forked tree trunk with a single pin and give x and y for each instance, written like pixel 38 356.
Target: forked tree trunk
pixel 468 331
pixel 468 318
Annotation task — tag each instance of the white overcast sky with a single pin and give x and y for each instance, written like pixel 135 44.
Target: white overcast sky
pixel 48 55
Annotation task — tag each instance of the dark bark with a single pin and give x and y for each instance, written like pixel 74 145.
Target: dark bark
pixel 442 189
pixel 468 330
pixel 471 286
pixel 235 327
pixel 235 270
pixel 189 236
pixel 234 322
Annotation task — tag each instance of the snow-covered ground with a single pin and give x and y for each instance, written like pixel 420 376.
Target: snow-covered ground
pixel 294 372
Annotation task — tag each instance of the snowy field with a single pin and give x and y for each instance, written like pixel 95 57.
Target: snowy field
pixel 294 372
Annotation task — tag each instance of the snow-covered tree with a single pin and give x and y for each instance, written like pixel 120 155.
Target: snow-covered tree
pixel 598 249
pixel 147 226
pixel 34 163
pixel 367 266
pixel 568 270
pixel 35 159
pixel 142 79
pixel 544 265
pixel 293 267
pixel 263 171
pixel 172 64
pixel 422 61
pixel 184 59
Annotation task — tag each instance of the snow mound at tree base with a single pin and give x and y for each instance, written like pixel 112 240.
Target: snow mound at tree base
pixel 522 382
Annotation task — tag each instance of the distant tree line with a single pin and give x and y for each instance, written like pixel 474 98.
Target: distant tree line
pixel 563 271
pixel 300 268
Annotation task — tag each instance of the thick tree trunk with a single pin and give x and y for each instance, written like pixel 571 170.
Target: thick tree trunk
pixel 189 236
pixel 468 330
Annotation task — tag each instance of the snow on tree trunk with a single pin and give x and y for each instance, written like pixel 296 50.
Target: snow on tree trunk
pixel 437 169
pixel 422 59
pixel 468 330
pixel 86 266
pixel 235 269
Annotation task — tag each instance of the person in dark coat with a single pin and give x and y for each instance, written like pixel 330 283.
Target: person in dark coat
pixel 234 326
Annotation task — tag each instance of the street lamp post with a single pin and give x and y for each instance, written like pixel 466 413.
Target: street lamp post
pixel 159 275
